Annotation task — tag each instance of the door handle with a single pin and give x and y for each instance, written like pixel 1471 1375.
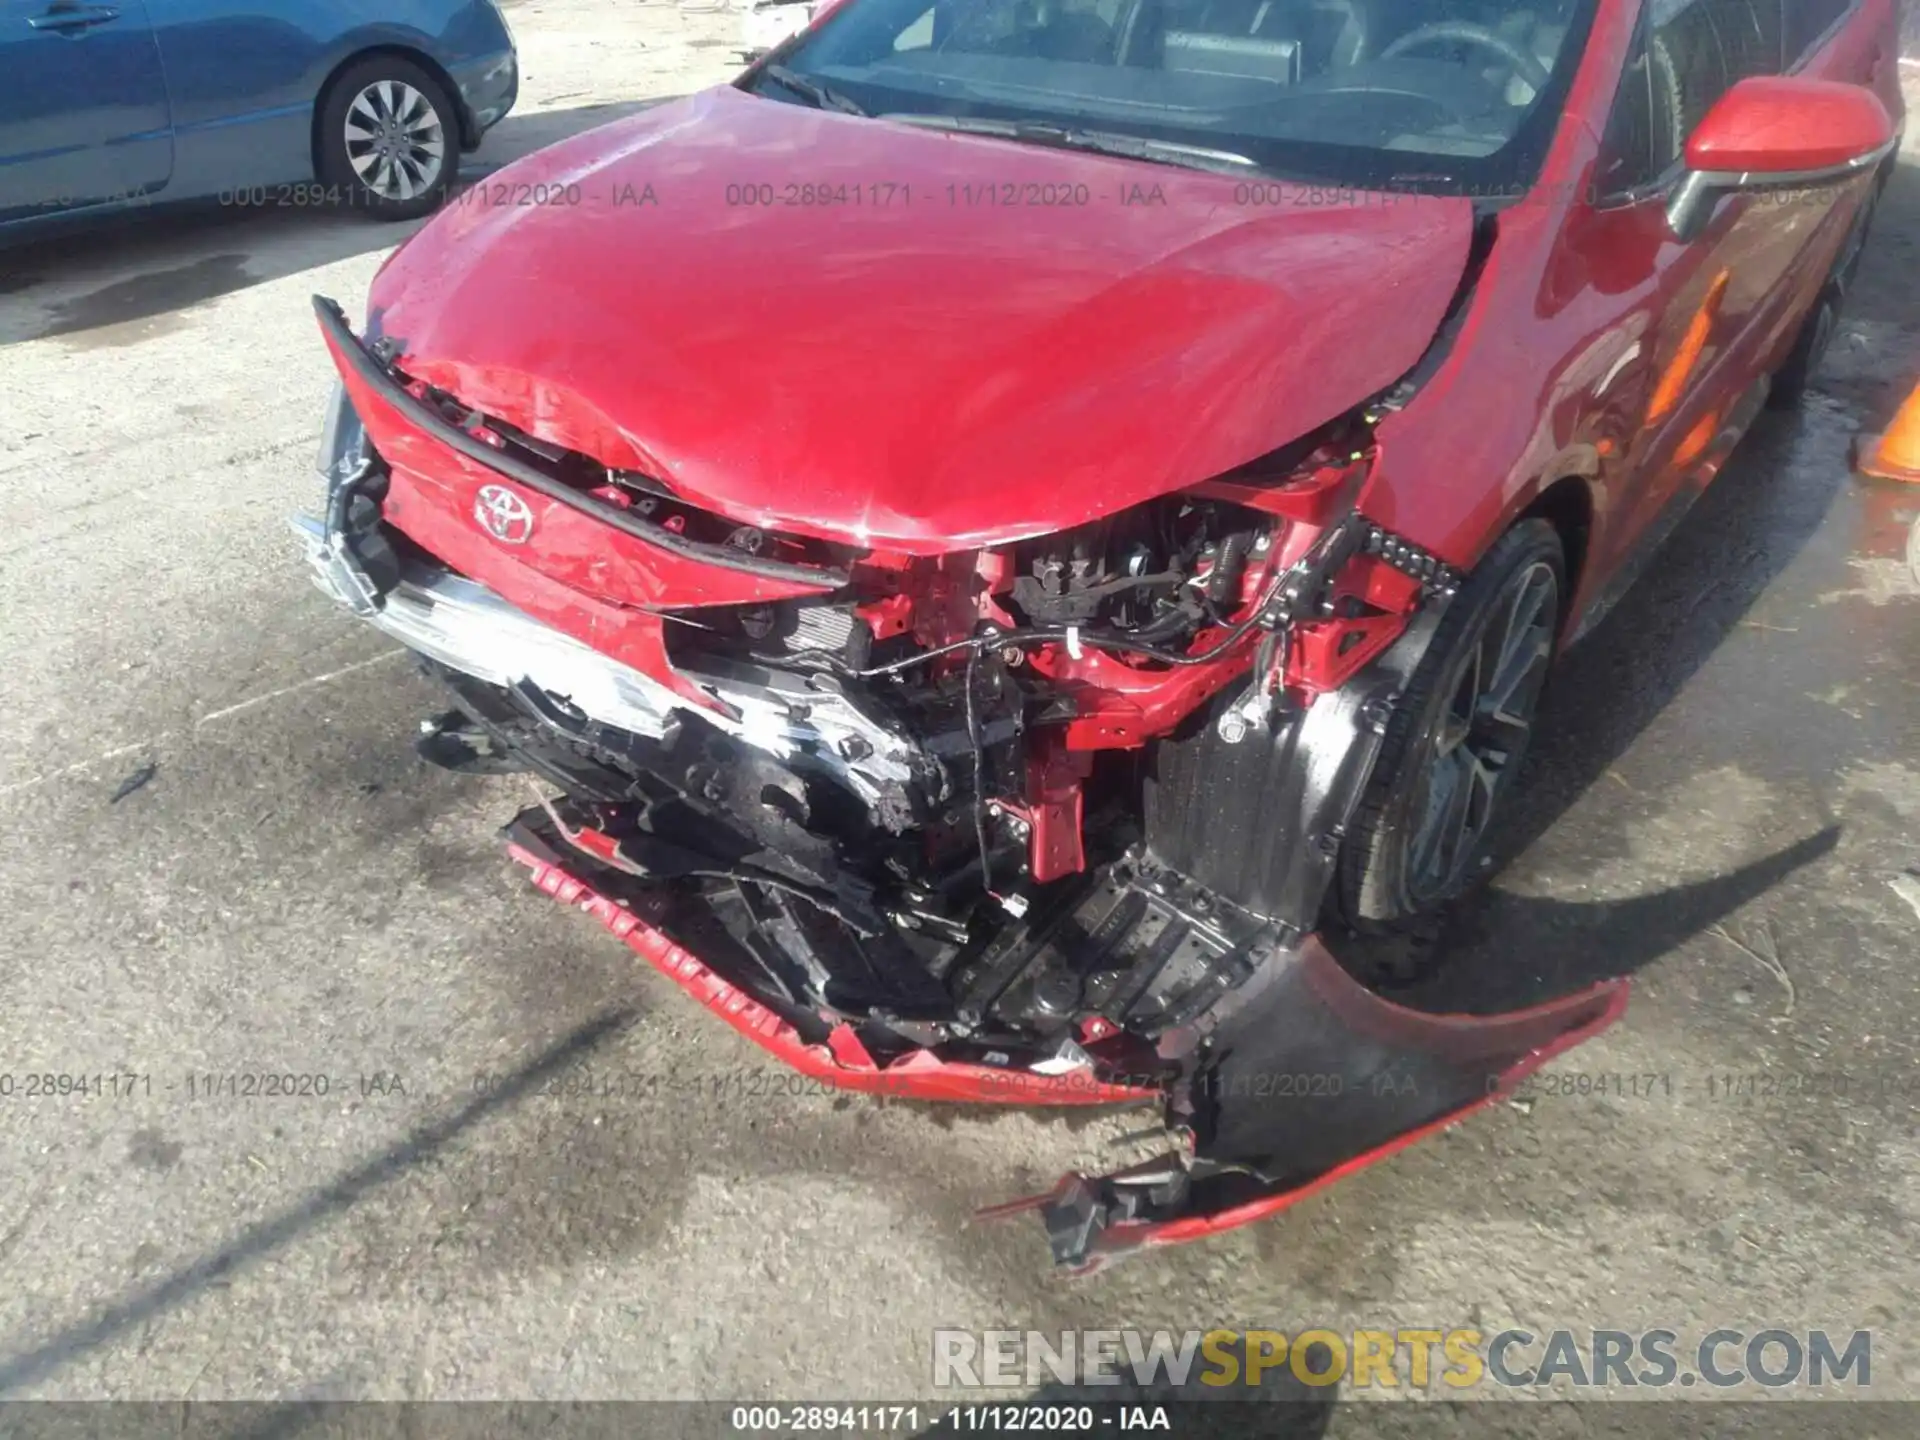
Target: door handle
pixel 69 18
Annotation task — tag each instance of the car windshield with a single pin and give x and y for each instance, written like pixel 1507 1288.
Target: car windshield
pixel 1446 96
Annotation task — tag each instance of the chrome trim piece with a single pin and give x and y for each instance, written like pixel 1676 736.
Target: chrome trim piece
pixel 469 628
pixel 343 444
pixel 800 719
pixel 1694 197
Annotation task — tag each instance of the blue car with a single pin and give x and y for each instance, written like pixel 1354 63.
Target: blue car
pixel 361 103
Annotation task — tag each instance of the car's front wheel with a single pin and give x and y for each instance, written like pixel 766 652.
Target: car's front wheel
pixel 389 138
pixel 1795 375
pixel 1456 740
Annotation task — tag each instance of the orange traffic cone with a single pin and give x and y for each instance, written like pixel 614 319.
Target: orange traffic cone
pixel 1894 454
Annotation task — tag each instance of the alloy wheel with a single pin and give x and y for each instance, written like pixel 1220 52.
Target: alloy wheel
pixel 396 142
pixel 1482 731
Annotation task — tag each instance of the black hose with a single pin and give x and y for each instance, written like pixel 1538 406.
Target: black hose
pixel 979 779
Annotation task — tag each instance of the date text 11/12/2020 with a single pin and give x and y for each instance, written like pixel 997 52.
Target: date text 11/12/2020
pixel 198 1085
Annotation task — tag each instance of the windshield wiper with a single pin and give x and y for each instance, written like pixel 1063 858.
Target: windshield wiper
pixel 1100 142
pixel 824 97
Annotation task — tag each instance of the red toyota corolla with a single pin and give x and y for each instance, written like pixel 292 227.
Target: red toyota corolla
pixel 1005 531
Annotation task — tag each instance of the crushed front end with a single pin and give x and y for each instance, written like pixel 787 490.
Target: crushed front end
pixel 1048 820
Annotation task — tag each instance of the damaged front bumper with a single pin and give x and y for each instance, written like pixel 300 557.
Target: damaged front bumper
pixel 469 629
pixel 1310 1078
pixel 1296 1077
pixel 1177 966
pixel 825 1050
pixel 1306 1078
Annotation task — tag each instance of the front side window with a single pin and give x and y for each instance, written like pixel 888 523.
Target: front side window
pixel 1702 47
pixel 1689 53
pixel 1452 96
pixel 1808 22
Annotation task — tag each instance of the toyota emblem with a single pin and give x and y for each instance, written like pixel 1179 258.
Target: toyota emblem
pixel 503 515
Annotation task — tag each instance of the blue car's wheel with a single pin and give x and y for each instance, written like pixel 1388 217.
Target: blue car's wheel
pixel 389 138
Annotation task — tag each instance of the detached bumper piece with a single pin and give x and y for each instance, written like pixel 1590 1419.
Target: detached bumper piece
pixel 827 1049
pixel 1303 1077
pixel 1308 1079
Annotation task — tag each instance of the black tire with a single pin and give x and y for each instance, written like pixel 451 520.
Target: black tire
pixel 1791 380
pixel 379 124
pixel 1395 868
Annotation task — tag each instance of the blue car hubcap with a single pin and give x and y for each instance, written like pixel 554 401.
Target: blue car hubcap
pixel 395 141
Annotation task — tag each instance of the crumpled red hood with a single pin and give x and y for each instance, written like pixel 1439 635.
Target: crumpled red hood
pixel 858 329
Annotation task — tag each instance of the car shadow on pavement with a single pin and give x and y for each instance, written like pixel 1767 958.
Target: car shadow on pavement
pixel 146 264
pixel 342 1193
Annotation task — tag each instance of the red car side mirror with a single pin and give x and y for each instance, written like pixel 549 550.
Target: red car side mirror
pixel 1778 132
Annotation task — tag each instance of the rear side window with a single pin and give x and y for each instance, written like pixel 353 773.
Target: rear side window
pixel 1699 48
pixel 1688 54
pixel 1808 20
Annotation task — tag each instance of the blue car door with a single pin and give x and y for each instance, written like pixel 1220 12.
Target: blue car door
pixel 84 118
